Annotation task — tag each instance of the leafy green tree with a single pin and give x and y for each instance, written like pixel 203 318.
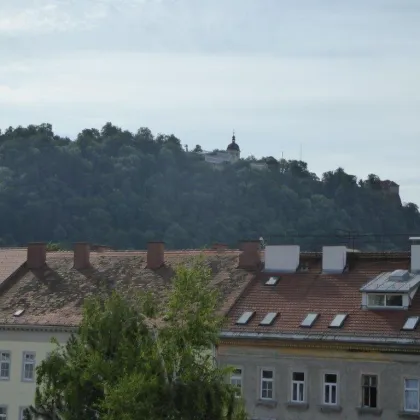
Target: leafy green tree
pixel 136 358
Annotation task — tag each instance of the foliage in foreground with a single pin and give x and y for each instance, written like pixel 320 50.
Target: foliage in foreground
pixel 131 360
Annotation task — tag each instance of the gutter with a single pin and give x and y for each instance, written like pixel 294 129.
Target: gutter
pixel 43 328
pixel 319 337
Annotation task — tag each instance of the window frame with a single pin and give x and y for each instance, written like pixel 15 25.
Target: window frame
pixel 330 384
pixel 297 383
pixel 362 388
pixel 3 378
pixel 6 408
pixel 24 363
pixel 235 376
pixel 408 378
pixel 21 410
pixel 272 381
pixel 385 296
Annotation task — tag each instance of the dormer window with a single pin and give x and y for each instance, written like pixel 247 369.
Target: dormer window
pixel 384 300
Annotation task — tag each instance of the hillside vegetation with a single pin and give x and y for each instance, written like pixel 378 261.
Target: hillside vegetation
pixel 122 189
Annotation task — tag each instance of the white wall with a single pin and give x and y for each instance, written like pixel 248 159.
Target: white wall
pixel 14 393
pixel 282 258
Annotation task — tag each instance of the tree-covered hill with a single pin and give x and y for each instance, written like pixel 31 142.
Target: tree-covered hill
pixel 122 189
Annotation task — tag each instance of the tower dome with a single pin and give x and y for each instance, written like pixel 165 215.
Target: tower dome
pixel 233 147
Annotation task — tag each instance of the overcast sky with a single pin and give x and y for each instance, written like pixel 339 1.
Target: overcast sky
pixel 337 78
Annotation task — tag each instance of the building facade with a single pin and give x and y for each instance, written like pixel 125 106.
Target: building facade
pixel 328 335
pixel 42 294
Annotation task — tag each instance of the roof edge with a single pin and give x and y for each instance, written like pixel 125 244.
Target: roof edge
pixel 36 327
pixel 321 337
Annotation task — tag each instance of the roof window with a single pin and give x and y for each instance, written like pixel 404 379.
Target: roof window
pixel 269 318
pixel 19 312
pixel 338 321
pixel 272 281
pixel 245 317
pixel 411 323
pixel 309 320
pixel 384 300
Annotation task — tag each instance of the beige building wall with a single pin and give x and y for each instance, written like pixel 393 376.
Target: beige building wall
pixel 15 393
pixel 391 369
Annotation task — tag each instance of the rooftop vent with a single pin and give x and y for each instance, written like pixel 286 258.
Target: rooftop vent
pixel 269 318
pixel 338 321
pixel 245 318
pixel 334 259
pixel 411 323
pixel 282 258
pixel 399 275
pixel 309 320
pixel 415 254
pixel 272 281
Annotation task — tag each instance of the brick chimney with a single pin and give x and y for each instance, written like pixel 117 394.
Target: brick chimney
pixel 250 257
pixel 81 255
pixel 155 255
pixel 36 255
pixel 219 247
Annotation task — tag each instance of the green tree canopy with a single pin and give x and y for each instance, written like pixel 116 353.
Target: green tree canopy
pixel 138 359
pixel 122 189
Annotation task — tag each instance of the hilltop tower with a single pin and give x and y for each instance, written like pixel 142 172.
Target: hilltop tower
pixel 233 149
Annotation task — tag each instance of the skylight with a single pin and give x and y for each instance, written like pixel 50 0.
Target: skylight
pixel 245 317
pixel 411 323
pixel 309 320
pixel 269 318
pixel 272 281
pixel 19 312
pixel 338 321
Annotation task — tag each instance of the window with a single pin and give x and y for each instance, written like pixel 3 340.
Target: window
pixel 338 321
pixel 4 365
pixel 411 323
pixel 309 320
pixel 272 281
pixel 330 388
pixel 411 395
pixel 298 387
pixel 385 300
pixel 3 412
pixel 369 391
pixel 267 384
pixel 269 318
pixel 245 317
pixel 28 366
pixel 236 381
pixel 22 412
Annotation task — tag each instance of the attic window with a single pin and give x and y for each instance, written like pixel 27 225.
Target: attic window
pixel 411 323
pixel 269 318
pixel 309 320
pixel 19 312
pixel 245 317
pixel 272 281
pixel 383 300
pixel 338 321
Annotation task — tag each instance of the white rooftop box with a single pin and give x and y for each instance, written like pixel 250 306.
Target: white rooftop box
pixel 415 255
pixel 282 258
pixel 334 259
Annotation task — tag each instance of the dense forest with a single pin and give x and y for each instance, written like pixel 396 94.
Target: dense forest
pixel 121 189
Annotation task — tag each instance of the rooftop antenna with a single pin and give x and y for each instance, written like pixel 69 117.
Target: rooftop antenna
pixel 300 156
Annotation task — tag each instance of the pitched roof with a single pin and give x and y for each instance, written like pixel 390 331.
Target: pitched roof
pixel 10 260
pixel 298 294
pixel 53 295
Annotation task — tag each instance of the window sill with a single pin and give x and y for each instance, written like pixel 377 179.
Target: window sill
pixel 369 411
pixel 297 405
pixel 267 403
pixel 409 414
pixel 326 408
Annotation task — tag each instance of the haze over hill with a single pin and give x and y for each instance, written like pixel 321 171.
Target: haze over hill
pixel 123 189
pixel 339 78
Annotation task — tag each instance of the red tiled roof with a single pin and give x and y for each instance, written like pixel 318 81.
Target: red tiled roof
pixel 54 294
pixel 295 295
pixel 10 260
